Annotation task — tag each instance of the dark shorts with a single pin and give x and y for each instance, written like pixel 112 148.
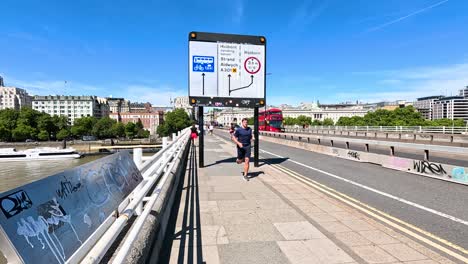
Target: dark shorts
pixel 243 152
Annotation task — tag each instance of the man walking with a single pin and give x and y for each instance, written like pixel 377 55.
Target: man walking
pixel 243 137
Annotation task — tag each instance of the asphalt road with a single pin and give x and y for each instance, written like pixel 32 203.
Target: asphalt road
pixel 443 197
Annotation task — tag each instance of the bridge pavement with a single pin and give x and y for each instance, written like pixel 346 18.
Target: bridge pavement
pixel 273 218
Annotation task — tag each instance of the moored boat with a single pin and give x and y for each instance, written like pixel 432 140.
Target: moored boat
pixel 46 153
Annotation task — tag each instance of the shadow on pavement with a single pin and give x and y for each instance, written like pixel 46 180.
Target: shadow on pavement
pixel 262 162
pixel 268 161
pixel 255 174
pixel 228 160
pixel 189 236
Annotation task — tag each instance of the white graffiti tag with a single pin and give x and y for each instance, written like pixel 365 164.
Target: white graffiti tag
pixel 41 227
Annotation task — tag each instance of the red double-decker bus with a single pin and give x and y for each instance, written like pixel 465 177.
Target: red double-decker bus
pixel 271 120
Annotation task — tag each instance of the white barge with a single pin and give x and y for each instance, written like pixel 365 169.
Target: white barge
pixel 11 154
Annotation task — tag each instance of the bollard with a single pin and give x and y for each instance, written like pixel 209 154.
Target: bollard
pixel 367 148
pixel 426 155
pixel 318 140
pixel 137 156
pixel 392 151
pixel 331 143
pixel 347 145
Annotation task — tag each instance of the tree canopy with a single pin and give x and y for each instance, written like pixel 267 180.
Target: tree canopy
pixel 31 124
pixel 175 121
pixel 405 116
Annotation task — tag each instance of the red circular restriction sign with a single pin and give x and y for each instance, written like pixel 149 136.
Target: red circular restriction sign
pixel 252 65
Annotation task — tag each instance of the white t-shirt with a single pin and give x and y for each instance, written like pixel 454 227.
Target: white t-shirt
pixel 211 127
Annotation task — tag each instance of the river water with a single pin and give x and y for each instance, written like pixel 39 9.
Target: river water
pixel 16 173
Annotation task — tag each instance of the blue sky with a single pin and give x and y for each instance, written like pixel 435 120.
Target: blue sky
pixel 327 50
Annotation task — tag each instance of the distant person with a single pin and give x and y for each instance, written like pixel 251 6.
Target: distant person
pixel 194 133
pixel 205 128
pixel 232 129
pixel 236 126
pixel 211 129
pixel 243 137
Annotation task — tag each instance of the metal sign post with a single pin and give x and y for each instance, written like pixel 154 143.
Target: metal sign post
pixel 201 157
pixel 256 140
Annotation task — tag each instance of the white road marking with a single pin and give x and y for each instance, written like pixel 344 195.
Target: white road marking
pixel 453 218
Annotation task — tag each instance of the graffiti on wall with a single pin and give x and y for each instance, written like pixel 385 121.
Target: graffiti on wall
pixel 459 174
pixel 48 220
pixel 399 163
pixel 354 155
pixel 426 167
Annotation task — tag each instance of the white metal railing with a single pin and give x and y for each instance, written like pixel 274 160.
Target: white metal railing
pixel 396 129
pixel 155 170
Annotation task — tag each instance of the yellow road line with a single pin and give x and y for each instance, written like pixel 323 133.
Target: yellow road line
pixel 360 206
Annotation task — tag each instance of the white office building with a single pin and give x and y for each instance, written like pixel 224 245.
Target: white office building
pixel 183 102
pixel 322 112
pixel 425 105
pixel 311 110
pixel 14 98
pixel 464 92
pixel 231 115
pixel 118 105
pixel 452 107
pixel 72 107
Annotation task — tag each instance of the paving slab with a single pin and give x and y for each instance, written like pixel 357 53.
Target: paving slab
pixel 335 227
pixel 378 237
pixel 297 252
pixel 353 239
pixel 327 252
pixel 298 230
pixel 374 254
pixel 403 252
pixel 247 217
pixel 220 196
pixel 280 215
pixel 252 252
pixel 253 232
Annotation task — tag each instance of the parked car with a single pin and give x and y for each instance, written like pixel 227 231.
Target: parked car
pixel 30 140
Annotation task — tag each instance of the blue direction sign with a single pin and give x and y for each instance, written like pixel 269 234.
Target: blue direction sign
pixel 203 64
